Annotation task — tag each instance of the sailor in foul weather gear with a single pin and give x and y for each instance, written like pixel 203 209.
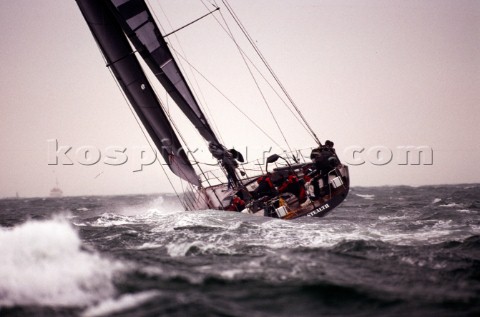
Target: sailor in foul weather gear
pixel 228 162
pixel 334 160
pixel 294 186
pixel 265 187
pixel 325 161
pixel 237 204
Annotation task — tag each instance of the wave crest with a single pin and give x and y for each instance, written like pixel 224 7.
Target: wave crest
pixel 43 263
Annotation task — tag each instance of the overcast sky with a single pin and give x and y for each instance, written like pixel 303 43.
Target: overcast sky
pixel 376 75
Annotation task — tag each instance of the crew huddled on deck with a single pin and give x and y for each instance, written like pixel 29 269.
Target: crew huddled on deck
pixel 237 204
pixel 279 184
pixel 265 187
pixel 295 186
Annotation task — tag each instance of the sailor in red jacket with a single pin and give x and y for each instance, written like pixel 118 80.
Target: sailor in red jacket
pixel 265 187
pixel 237 204
pixel 292 185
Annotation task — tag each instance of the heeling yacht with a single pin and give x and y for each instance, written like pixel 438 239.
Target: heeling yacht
pixel 285 186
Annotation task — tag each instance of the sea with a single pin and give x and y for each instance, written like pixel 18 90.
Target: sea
pixel 386 251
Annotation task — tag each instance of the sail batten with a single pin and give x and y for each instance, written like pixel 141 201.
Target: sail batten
pixel 126 68
pixel 138 23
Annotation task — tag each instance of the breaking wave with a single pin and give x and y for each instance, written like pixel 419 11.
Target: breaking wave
pixel 44 263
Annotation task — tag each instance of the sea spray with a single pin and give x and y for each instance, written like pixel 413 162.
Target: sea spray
pixel 43 263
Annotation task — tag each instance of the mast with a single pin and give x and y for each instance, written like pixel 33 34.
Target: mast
pixel 123 63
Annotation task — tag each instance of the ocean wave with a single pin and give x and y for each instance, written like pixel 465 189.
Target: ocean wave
pixel 450 205
pixel 110 220
pixel 124 302
pixel 366 196
pixel 43 263
pixel 186 248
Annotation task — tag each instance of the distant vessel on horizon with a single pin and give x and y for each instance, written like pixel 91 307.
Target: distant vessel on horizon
pixel 56 192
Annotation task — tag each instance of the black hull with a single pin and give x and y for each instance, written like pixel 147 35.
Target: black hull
pixel 324 208
pixel 287 209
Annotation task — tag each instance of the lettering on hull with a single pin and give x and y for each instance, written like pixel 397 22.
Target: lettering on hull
pixel 320 209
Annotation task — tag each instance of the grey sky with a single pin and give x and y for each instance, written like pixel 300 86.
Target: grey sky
pixel 365 73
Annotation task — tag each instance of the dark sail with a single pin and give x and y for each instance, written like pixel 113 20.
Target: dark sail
pixel 137 22
pixel 126 68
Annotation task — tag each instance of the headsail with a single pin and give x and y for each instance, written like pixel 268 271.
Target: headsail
pixel 126 68
pixel 139 25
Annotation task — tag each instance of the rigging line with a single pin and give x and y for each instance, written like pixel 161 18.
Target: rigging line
pixel 138 123
pixel 130 107
pixel 174 31
pixel 175 162
pixel 198 197
pixel 231 102
pixel 188 203
pixel 177 130
pixel 191 153
pixel 200 91
pixel 208 112
pixel 168 114
pixel 172 122
pixel 146 138
pixel 189 199
pixel 255 47
pixel 295 115
pixel 258 87
pixel 170 119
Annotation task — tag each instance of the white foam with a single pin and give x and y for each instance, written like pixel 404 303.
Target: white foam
pixel 42 263
pixel 124 302
pixel 159 206
pixel 148 245
pixel 451 205
pixel 179 249
pixel 393 217
pixel 110 220
pixel 136 216
pixel 366 196
pixel 466 211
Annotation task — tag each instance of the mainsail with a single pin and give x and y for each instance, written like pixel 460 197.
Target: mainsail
pixel 139 25
pixel 124 64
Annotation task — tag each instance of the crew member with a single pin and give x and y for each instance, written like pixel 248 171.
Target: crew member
pixel 334 160
pixel 237 204
pixel 325 160
pixel 294 186
pixel 228 162
pixel 265 187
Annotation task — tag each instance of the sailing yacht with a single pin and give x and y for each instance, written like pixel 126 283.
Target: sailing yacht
pixel 286 185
